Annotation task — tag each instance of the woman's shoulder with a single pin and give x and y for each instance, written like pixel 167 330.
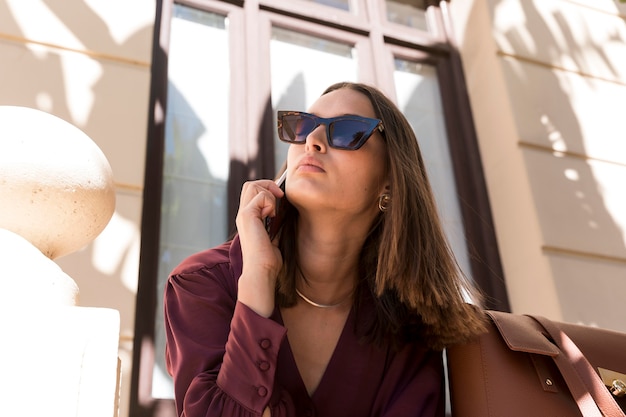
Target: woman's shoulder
pixel 207 258
pixel 221 263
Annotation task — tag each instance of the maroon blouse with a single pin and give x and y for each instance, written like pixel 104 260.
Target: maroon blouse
pixel 227 360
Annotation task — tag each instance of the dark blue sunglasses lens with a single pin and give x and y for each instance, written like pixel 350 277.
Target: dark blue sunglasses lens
pixel 348 134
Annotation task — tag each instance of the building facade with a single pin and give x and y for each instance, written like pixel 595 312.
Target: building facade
pixel 516 105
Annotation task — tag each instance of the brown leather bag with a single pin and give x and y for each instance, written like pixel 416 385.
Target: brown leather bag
pixel 529 366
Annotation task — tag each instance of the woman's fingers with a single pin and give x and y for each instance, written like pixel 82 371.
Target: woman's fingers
pixel 261 258
pixel 258 199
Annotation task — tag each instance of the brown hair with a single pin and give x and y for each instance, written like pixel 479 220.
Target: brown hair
pixel 406 262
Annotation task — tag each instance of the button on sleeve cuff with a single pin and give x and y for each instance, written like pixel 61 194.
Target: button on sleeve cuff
pixel 249 365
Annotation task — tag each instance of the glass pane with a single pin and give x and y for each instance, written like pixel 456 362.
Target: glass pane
pixel 196 161
pixel 411 13
pixel 338 4
pixel 419 98
pixel 300 72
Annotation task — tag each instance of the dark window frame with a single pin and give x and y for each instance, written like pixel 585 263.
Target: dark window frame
pixel 486 268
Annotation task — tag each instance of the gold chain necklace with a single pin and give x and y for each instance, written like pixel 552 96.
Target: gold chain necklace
pixel 314 304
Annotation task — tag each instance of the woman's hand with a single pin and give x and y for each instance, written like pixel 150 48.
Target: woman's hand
pixel 261 258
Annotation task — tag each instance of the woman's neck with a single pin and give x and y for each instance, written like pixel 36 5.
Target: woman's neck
pixel 328 261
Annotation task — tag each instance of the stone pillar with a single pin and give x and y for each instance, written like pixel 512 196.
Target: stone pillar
pixel 56 195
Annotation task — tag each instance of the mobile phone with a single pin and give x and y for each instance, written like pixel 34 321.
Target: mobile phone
pixel 273 224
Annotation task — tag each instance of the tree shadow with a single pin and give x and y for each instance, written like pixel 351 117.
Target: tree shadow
pixel 38 78
pixel 568 196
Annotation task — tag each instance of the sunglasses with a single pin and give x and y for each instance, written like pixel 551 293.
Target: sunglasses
pixel 343 132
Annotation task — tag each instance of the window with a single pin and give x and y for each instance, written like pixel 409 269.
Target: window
pixel 419 98
pixel 409 13
pixel 225 68
pixel 339 4
pixel 295 86
pixel 195 166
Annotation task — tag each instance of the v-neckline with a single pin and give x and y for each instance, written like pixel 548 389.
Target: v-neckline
pixel 329 366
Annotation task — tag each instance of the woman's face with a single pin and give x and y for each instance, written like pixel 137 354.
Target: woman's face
pixel 339 181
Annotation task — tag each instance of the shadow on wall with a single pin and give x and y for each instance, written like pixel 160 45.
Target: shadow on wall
pixel 570 199
pixel 104 103
pixel 44 86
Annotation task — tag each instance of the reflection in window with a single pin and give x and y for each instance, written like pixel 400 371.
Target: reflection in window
pixel 411 13
pixel 196 160
pixel 337 4
pixel 302 67
pixel 420 100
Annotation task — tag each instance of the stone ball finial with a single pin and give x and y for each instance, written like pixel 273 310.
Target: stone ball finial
pixel 56 185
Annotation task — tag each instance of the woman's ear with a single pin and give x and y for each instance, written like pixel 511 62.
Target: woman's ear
pixel 386 187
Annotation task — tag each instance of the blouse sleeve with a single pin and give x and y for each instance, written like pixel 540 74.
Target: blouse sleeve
pixel 221 354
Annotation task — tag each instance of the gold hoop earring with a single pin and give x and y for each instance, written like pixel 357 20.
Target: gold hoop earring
pixel 383 202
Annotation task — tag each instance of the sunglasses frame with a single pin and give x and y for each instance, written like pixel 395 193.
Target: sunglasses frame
pixel 373 125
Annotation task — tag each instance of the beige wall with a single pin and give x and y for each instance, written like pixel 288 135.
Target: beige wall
pixel 88 62
pixel 547 83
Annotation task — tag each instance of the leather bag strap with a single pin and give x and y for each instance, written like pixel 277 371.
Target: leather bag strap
pixel 585 385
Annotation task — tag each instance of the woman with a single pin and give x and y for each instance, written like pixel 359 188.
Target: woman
pixel 345 312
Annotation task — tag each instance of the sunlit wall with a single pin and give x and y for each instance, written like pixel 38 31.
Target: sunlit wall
pixel 88 62
pixel 547 83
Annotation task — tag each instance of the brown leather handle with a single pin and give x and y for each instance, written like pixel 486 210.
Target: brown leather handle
pixel 592 397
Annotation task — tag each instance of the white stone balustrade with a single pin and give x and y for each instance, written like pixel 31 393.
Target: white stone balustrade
pixel 56 195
